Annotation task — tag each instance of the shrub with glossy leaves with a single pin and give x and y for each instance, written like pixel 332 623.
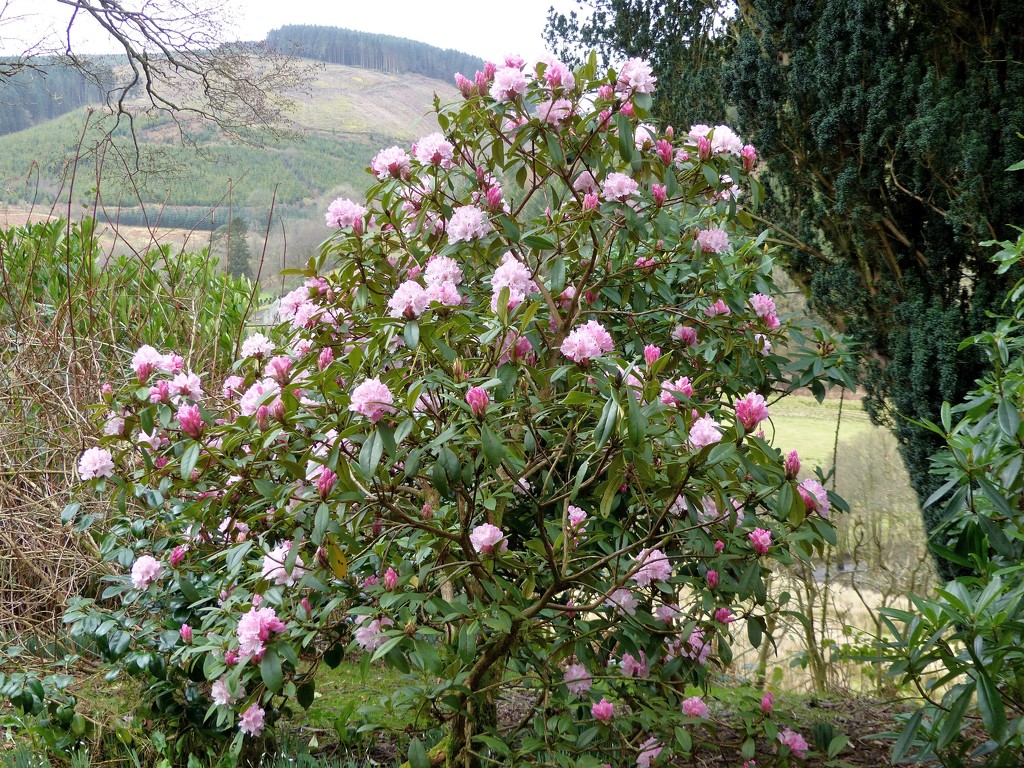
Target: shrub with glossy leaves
pixel 961 649
pixel 507 437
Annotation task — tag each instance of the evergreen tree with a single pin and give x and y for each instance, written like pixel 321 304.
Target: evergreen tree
pixel 234 237
pixel 886 129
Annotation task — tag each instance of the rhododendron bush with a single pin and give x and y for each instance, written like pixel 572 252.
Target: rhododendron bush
pixel 507 436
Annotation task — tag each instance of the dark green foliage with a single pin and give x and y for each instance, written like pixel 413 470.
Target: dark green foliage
pixel 233 239
pixel 886 129
pixel 381 52
pixel 32 96
pixel 677 38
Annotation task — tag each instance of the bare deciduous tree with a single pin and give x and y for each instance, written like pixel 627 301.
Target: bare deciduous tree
pixel 173 57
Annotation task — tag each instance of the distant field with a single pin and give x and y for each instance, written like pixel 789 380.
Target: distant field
pixel 803 424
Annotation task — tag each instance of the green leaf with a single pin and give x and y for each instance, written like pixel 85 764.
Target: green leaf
pixel 494 448
pixel 370 453
pixel 411 334
pixel 539 242
pixel 555 149
pixel 418 755
pixel 334 655
pixel 189 459
pixel 993 712
pixel 270 671
pixel 606 424
pixel 953 719
pixel 625 129
pixel 838 744
pixel 188 589
pixel 304 694
pixel 636 423
pixel 1009 418
pixel 907 736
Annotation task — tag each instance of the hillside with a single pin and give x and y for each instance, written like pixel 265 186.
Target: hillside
pixel 344 118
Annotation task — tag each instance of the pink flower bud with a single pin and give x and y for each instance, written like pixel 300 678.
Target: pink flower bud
pixel 670 132
pixel 602 710
pixel 480 80
pixel 719 546
pixel 390 579
pixel 306 606
pixel 427 512
pixel 178 555
pixel 186 633
pixel 478 400
pixel 651 354
pixel 761 539
pixel 723 616
pixel 749 155
pixel 494 198
pixel 263 417
pixel 161 462
pixel 161 393
pixel 627 109
pixel 792 465
pixel 325 359
pixel 466 86
pixel 605 92
pixel 277 409
pixel 191 421
pixel 665 152
pixel 658 193
pixel 712 578
pixel 604 119
pixel 767 702
pixel 590 201
pixel 377 527
pixel 106 392
pixel 230 657
pixel 325 483
pixel 257 600
pixel 703 149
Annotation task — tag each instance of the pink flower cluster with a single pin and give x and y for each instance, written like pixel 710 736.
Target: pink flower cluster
pixel 751 410
pixel 391 163
pixel 274 566
pixel 695 707
pixel 815 497
pixel 674 392
pixel 704 432
pixel 635 76
pixel 254 630
pixel 654 566
pixel 372 399
pixel 145 571
pixel 514 275
pixel 370 634
pixel 467 223
pixel 577 679
pixel 434 149
pixel 586 342
pixel 722 138
pixel 95 462
pixel 619 186
pixel 486 538
pixel 146 360
pixel 344 213
pixel 714 240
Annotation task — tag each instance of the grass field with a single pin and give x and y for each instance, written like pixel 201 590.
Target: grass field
pixel 803 424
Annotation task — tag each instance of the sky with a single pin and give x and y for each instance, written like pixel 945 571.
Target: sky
pixel 488 30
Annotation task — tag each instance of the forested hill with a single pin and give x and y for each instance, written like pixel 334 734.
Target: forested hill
pixel 33 96
pixel 385 53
